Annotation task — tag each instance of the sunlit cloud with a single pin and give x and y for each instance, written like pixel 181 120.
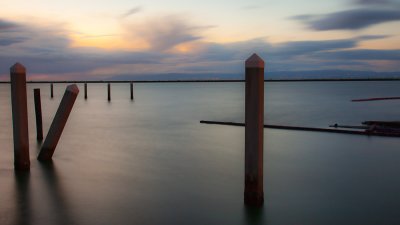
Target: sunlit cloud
pixel 172 46
pixel 163 33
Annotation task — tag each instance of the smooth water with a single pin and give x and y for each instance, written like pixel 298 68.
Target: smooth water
pixel 150 161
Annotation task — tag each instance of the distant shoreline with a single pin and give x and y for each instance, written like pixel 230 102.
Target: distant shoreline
pixel 211 81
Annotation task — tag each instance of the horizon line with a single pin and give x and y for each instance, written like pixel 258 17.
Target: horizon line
pixel 206 80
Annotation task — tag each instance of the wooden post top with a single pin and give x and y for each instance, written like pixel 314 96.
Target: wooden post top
pixel 73 88
pixel 255 62
pixel 17 68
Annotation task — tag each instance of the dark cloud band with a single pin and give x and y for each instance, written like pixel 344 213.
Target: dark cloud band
pixel 350 19
pixel 372 2
pixel 131 11
pixel 4 25
pixel 362 54
pixel 9 41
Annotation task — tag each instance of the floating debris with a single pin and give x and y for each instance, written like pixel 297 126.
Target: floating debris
pixel 375 99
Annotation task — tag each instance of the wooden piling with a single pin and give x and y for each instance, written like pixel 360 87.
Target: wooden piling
pixel 51 90
pixel 109 91
pixel 20 117
pixel 131 91
pixel 85 90
pixel 254 136
pixel 58 124
pixel 38 113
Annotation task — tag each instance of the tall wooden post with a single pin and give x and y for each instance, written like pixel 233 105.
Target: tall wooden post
pixel 38 113
pixel 254 131
pixel 58 124
pixel 20 117
pixel 109 91
pixel 51 90
pixel 131 91
pixel 85 90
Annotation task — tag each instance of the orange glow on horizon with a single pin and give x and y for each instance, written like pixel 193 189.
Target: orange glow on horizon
pixel 381 44
pixel 189 47
pixel 108 42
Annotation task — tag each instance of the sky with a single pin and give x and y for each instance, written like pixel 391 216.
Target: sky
pixel 99 39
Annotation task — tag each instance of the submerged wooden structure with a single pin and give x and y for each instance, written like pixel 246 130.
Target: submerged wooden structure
pixel 315 129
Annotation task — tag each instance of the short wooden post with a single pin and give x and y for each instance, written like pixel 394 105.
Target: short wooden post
pixel 254 131
pixel 38 113
pixel 58 124
pixel 131 91
pixel 20 117
pixel 109 91
pixel 85 90
pixel 51 90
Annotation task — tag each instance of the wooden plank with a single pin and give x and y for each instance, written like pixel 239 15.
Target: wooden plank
pixel 313 129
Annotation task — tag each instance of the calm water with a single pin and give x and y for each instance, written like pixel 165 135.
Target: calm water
pixel 151 162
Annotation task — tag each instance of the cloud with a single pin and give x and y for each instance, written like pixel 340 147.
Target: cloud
pixel 47 52
pixel 131 11
pixel 4 41
pixel 372 37
pixel 372 2
pixel 297 48
pixel 97 36
pixel 349 20
pixel 362 54
pixel 163 33
pixel 5 25
pixel 284 56
pixel 228 51
pixel 301 55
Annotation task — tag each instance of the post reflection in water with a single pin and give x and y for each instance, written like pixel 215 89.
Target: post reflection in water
pixel 152 162
pixel 48 206
pixel 254 215
pixel 58 205
pixel 22 198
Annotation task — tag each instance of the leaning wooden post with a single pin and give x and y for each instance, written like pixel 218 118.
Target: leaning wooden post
pixel 38 113
pixel 109 91
pixel 20 117
pixel 254 131
pixel 85 90
pixel 51 90
pixel 58 124
pixel 131 91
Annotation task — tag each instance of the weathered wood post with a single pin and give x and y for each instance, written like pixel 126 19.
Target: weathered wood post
pixel 85 90
pixel 58 124
pixel 109 91
pixel 51 90
pixel 38 113
pixel 20 117
pixel 131 91
pixel 254 131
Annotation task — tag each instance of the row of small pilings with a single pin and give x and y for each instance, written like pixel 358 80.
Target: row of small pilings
pixel 86 92
pixel 20 117
pixel 254 120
